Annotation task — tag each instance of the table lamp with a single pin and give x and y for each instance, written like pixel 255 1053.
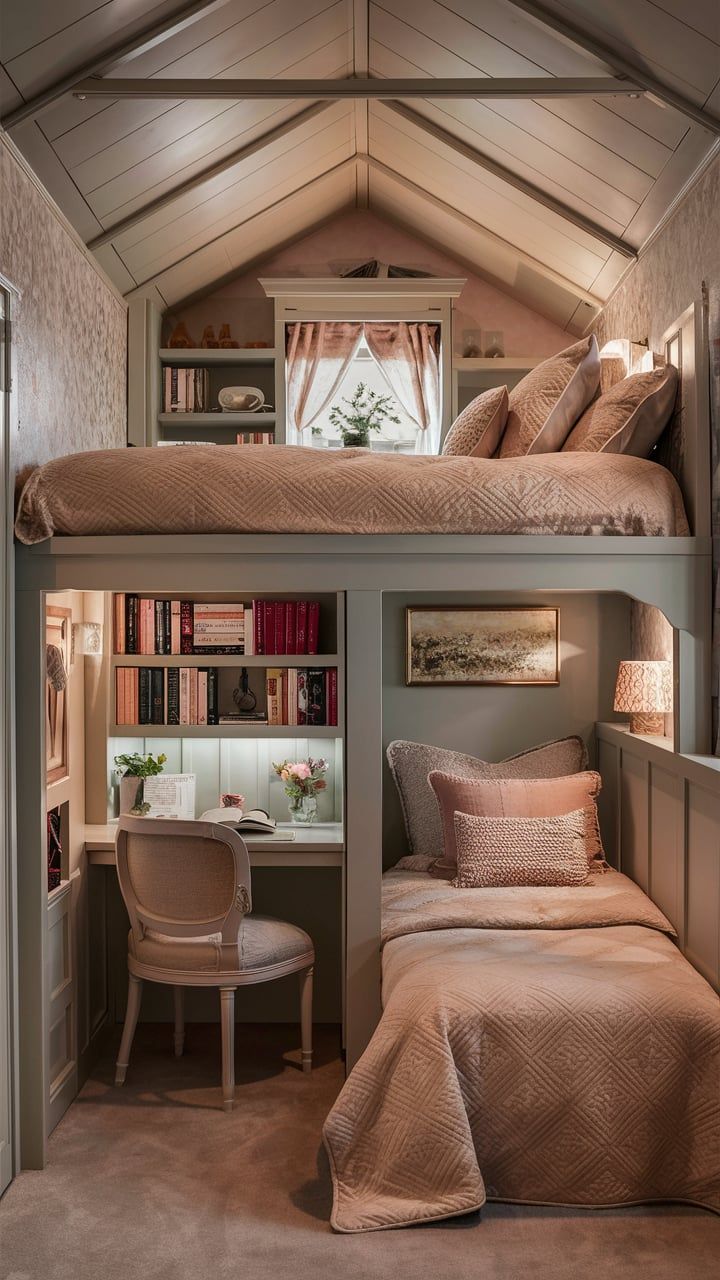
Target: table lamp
pixel 645 690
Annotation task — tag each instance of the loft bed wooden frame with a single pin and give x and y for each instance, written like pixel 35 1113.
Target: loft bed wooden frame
pixel 672 574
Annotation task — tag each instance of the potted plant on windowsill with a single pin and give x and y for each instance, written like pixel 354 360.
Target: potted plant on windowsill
pixel 133 770
pixel 367 411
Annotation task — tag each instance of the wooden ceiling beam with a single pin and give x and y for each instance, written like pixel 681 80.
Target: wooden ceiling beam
pixel 485 87
pixel 131 46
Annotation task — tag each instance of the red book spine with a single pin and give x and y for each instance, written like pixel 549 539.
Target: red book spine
pixel 186 626
pixel 270 626
pixel 301 627
pixel 313 625
pixel 258 608
pixel 280 613
pixel 291 626
pixel 331 695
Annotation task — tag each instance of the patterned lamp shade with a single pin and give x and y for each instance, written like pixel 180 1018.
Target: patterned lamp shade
pixel 645 690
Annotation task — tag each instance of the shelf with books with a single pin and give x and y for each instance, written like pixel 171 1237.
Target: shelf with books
pixel 250 730
pixel 222 660
pixel 205 627
pixel 217 418
pixel 217 355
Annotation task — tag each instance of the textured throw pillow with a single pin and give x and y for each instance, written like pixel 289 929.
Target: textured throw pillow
pixel 476 432
pixel 629 418
pixel 412 762
pixel 546 403
pixel 492 852
pixel 517 798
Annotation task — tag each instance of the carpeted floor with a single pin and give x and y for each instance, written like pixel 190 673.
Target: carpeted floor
pixel 155 1181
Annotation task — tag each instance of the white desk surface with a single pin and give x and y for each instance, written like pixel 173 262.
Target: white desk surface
pixel 321 845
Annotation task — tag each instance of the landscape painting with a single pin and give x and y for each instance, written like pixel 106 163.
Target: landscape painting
pixel 469 645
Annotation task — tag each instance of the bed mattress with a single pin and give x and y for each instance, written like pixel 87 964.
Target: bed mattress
pixel 542 1046
pixel 279 489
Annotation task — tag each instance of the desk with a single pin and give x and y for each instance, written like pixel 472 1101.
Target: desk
pixel 321 845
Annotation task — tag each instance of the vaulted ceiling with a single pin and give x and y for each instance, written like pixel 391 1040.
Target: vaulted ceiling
pixel 550 196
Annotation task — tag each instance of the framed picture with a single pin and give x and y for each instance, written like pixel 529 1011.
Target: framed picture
pixel 58 632
pixel 469 644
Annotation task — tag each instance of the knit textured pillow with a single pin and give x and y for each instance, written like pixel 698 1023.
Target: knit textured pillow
pixel 476 432
pixel 522 851
pixel 629 418
pixel 548 401
pixel 412 762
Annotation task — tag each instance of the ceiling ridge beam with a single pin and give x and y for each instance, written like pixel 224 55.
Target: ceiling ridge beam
pixel 620 64
pixel 361 66
pixel 206 175
pixel 549 273
pixel 529 189
pixel 482 87
pixel 141 41
pixel 349 163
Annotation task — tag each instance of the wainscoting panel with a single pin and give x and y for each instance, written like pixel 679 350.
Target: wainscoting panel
pixel 660 821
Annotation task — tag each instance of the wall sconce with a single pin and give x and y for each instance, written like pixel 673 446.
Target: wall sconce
pixel 644 689
pixel 87 639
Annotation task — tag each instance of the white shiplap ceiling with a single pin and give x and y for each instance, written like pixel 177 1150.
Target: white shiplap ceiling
pixel 544 196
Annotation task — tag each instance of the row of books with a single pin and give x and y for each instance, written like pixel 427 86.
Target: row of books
pixel 166 695
pixel 301 695
pixel 256 437
pixel 148 626
pixel 186 390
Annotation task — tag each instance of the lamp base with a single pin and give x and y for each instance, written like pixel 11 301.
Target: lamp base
pixel 651 722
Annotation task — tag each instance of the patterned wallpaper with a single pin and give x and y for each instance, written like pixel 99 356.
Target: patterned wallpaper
pixel 70 331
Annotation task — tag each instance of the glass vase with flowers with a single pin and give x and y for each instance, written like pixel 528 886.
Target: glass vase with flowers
pixel 303 780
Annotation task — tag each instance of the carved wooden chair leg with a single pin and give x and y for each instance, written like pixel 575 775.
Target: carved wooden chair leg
pixel 131 1017
pixel 179 1039
pixel 306 994
pixel 227 1020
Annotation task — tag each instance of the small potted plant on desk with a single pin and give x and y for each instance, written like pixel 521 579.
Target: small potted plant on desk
pixel 133 770
pixel 367 411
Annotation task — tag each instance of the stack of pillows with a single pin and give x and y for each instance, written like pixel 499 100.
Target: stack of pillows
pixel 530 820
pixel 556 408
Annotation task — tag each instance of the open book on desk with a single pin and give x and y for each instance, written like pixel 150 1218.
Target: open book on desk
pixel 255 822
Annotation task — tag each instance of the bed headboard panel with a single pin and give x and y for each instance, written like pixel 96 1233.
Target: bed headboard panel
pixel 685 445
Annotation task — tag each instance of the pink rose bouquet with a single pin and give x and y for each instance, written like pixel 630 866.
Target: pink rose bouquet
pixel 302 777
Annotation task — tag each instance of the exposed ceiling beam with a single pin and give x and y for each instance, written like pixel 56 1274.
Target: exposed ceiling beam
pixel 263 213
pixel 361 66
pixel 206 175
pixel 135 45
pixel 541 268
pixel 610 55
pixel 513 179
pixel 484 87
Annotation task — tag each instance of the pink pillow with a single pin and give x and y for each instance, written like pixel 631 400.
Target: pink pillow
pixel 516 798
pixel 476 432
pixel 493 852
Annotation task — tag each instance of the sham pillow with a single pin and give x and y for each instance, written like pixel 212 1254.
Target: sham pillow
pixel 492 852
pixel 629 418
pixel 548 401
pixel 411 763
pixel 517 798
pixel 476 432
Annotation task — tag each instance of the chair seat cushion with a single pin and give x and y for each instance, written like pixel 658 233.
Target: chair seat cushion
pixel 262 943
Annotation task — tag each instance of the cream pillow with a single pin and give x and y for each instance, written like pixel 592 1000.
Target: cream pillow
pixel 476 432
pixel 492 852
pixel 629 418
pixel 545 404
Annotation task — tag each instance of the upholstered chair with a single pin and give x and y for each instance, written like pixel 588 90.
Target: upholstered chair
pixel 186 886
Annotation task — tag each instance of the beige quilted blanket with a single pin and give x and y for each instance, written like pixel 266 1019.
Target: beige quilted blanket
pixel 277 489
pixel 545 1046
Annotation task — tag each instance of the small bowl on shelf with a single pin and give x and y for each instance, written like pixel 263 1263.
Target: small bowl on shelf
pixel 241 399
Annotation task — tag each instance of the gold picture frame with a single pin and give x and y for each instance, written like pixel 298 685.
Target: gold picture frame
pixel 482 645
pixel 58 632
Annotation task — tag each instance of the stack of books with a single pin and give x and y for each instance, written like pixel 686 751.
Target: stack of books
pixel 256 437
pixel 166 695
pixel 301 695
pixel 185 390
pixel 147 626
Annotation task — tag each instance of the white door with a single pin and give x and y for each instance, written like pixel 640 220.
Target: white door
pixel 6 760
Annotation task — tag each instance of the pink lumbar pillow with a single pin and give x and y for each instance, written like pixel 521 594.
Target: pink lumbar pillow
pixel 493 852
pixel 476 432
pixel 515 798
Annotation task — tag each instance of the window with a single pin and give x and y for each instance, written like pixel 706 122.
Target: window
pixel 364 369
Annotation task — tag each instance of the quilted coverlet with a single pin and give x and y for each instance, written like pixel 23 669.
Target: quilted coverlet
pixel 543 1046
pixel 279 489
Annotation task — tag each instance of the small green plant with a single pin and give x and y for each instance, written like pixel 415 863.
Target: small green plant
pixel 137 766
pixel 367 411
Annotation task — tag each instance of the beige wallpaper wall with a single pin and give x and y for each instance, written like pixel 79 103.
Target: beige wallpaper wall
pixel 70 330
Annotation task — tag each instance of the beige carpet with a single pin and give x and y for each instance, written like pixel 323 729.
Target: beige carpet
pixel 155 1181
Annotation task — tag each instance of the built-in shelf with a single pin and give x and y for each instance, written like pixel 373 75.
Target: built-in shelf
pixel 301 660
pixel 217 355
pixel 251 421
pixel 471 364
pixel 256 730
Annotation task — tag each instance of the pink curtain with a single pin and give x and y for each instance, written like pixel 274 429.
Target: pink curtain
pixel 408 355
pixel 318 355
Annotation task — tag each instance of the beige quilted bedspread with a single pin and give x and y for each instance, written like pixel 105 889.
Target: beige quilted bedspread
pixel 277 489
pixel 546 1046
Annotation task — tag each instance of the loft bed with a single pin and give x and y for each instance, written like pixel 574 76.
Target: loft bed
pixel 669 570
